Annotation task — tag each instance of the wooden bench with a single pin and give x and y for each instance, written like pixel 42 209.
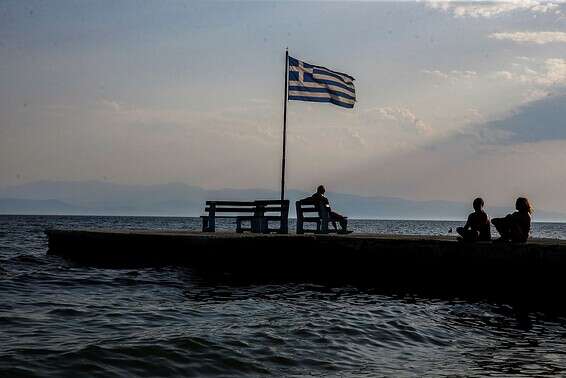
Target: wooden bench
pixel 321 219
pixel 258 213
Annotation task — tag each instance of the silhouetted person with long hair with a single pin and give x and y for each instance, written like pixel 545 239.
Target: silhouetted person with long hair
pixel 515 227
pixel 477 226
pixel 322 204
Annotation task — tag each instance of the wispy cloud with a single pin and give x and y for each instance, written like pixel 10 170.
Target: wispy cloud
pixel 550 72
pixel 112 104
pixel 232 121
pixel 452 75
pixel 403 117
pixel 531 37
pixel 493 9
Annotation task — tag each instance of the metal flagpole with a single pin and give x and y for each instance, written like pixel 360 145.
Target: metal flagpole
pixel 284 124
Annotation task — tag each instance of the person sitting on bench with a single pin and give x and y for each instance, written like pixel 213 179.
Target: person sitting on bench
pixel 515 227
pixel 477 227
pixel 322 204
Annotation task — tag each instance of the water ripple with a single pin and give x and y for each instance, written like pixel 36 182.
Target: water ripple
pixel 58 319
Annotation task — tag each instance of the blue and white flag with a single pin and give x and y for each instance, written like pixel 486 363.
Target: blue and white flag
pixel 308 82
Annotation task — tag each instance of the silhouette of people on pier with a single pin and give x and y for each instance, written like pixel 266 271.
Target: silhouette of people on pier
pixel 515 227
pixel 322 204
pixel 477 227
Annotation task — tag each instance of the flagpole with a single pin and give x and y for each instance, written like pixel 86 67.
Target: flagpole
pixel 284 125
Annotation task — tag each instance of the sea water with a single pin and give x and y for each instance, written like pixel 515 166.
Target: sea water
pixel 58 318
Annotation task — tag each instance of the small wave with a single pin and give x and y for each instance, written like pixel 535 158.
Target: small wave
pixel 60 319
pixel 66 312
pixel 26 259
pixel 125 281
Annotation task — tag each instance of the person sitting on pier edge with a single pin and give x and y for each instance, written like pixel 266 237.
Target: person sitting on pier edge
pixel 477 226
pixel 515 227
pixel 319 200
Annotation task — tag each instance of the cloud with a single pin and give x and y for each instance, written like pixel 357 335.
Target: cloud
pixel 235 122
pixel 550 72
pixel 355 137
pixel 451 75
pixel 112 104
pixel 403 117
pixel 538 120
pixel 555 72
pixel 531 37
pixel 535 94
pixel 436 73
pixel 493 9
pixel 503 75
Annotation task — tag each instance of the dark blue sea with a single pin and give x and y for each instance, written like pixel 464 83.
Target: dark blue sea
pixel 60 319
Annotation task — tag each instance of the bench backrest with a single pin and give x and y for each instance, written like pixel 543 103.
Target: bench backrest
pixel 255 207
pixel 307 207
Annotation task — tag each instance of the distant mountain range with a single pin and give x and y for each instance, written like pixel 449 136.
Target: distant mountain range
pixel 178 199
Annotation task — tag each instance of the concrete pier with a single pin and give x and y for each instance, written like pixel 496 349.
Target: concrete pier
pixel 535 270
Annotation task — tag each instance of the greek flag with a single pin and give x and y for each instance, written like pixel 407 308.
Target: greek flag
pixel 308 82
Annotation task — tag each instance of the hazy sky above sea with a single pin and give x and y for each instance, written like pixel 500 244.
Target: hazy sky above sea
pixel 455 99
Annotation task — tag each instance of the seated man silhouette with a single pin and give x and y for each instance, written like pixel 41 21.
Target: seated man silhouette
pixel 322 204
pixel 477 226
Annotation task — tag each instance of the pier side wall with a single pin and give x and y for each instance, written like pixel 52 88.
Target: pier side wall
pixel 393 262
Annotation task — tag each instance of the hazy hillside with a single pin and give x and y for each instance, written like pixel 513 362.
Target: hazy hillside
pixel 93 197
pixel 30 206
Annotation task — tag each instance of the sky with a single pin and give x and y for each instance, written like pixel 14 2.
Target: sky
pixel 454 99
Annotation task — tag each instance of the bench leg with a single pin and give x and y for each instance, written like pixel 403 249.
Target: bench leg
pixel 299 213
pixel 284 228
pixel 211 224
pixel 239 226
pixel 324 226
pixel 208 224
pixel 265 226
pixel 300 225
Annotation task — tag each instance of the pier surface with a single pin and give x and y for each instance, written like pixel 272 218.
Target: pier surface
pixel 536 268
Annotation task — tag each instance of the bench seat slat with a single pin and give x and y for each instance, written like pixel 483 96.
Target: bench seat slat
pixel 243 210
pixel 232 209
pixel 271 202
pixel 247 203
pixel 311 219
pixel 269 217
pixel 247 217
pixel 231 203
pixel 223 216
